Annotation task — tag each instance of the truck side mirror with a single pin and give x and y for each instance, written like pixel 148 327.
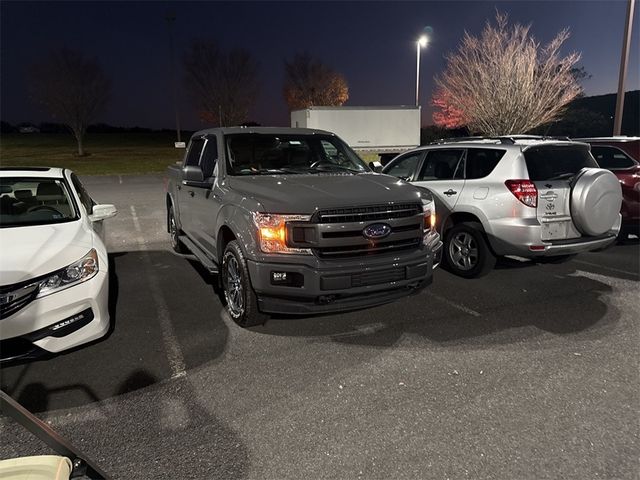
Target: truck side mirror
pixel 191 173
pixel 375 166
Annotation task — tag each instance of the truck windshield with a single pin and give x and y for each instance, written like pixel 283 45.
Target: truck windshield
pixel 272 154
pixel 34 201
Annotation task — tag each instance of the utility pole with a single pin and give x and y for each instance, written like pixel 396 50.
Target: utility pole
pixel 171 18
pixel 626 42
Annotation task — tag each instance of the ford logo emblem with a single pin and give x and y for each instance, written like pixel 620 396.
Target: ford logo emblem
pixel 376 231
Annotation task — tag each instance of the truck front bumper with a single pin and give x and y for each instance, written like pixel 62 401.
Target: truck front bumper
pixel 333 288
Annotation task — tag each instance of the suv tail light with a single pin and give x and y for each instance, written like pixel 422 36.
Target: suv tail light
pixel 525 191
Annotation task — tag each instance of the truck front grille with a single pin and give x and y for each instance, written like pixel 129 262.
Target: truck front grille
pixel 339 233
pixel 367 214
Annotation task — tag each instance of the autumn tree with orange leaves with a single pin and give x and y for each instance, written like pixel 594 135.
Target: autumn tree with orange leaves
pixel 504 82
pixel 309 82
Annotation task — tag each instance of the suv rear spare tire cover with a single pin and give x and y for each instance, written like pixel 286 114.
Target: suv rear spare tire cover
pixel 596 197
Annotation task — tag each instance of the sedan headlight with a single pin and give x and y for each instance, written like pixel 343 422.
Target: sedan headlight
pixel 272 232
pixel 77 272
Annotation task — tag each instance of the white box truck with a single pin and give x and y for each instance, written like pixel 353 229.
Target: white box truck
pixel 385 131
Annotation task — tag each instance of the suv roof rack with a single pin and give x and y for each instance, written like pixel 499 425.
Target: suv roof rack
pixel 503 139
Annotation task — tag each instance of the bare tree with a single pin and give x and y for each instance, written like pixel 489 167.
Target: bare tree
pixel 505 82
pixel 223 84
pixel 309 82
pixel 72 88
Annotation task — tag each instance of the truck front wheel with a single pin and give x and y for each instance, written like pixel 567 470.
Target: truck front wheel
pixel 242 302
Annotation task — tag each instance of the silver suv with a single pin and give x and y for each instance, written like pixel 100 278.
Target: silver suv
pixel 526 196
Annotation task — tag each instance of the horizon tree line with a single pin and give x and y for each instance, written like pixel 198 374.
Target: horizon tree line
pixel 500 82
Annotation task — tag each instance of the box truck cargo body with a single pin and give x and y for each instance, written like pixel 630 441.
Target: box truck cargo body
pixel 385 131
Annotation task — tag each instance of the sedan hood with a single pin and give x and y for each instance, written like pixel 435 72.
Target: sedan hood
pixel 304 194
pixel 32 251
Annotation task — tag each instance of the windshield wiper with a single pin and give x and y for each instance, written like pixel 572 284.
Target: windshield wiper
pixel 326 167
pixel 268 171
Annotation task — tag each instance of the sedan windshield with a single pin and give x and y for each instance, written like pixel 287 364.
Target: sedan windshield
pixel 272 154
pixel 34 201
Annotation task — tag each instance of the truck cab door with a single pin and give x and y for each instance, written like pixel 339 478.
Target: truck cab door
pixel 442 173
pixel 185 192
pixel 206 202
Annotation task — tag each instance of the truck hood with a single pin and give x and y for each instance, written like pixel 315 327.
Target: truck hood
pixel 32 251
pixel 304 194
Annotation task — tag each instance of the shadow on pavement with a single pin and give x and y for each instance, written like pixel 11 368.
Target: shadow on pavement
pixel 142 335
pixel 505 309
pixel 160 433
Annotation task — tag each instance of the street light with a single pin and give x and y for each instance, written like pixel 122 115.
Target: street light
pixel 420 43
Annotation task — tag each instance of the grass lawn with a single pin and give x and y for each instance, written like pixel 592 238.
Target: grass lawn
pixel 109 153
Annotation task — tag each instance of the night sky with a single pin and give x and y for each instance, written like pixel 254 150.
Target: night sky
pixel 371 43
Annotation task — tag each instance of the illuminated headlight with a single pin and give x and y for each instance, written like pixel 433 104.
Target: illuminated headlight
pixel 77 272
pixel 429 222
pixel 429 212
pixel 272 232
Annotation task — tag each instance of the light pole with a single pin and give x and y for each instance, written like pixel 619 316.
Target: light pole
pixel 626 42
pixel 420 43
pixel 171 18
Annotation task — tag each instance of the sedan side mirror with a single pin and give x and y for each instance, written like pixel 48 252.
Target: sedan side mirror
pixel 102 212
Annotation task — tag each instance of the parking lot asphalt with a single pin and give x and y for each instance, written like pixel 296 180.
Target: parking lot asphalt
pixel 529 373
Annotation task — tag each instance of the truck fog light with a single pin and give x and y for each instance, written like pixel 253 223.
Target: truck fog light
pixel 279 277
pixel 287 279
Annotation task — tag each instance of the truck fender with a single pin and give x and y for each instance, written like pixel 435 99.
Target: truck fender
pixel 240 222
pixel 170 201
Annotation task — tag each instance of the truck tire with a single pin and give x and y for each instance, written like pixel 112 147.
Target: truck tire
pixel 242 302
pixel 174 233
pixel 596 197
pixel 466 252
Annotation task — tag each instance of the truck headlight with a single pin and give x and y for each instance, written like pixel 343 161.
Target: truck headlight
pixel 429 222
pixel 272 232
pixel 429 212
pixel 77 272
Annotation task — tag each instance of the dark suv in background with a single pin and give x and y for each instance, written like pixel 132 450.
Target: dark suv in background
pixel 621 155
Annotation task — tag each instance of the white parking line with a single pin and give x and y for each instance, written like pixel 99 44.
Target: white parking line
pixel 462 308
pixel 605 268
pixel 172 347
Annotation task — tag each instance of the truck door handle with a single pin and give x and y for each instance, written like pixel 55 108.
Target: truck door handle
pixel 450 192
pixel 179 187
pixel 191 192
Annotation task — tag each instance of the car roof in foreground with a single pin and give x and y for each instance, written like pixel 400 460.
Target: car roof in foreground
pixel 263 130
pixel 36 172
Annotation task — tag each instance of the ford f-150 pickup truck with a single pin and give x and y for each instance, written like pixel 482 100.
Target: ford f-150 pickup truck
pixel 294 222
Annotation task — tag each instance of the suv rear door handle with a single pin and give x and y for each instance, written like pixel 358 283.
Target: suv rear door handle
pixel 450 192
pixel 191 192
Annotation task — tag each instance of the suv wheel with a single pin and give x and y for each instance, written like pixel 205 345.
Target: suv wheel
pixel 466 252
pixel 174 233
pixel 242 303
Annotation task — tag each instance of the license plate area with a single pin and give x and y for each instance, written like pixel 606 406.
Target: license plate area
pixel 555 230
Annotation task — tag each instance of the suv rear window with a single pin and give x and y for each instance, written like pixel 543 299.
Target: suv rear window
pixel 556 162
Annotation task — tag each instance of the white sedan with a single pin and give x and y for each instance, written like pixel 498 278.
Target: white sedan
pixel 54 279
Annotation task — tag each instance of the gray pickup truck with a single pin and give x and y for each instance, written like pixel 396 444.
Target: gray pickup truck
pixel 294 222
